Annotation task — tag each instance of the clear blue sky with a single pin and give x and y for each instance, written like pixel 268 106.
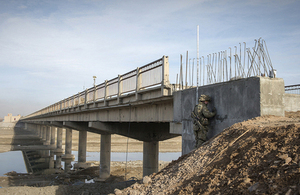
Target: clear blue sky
pixel 50 50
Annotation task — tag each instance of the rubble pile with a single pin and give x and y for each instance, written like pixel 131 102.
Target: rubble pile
pixel 259 156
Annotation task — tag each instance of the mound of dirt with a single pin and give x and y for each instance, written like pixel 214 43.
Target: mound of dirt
pixel 259 156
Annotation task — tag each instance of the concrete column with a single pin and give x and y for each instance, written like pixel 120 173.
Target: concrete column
pixel 105 157
pixel 48 136
pixel 44 133
pixel 82 146
pixel 40 131
pixel 68 165
pixel 68 144
pixel 58 161
pixel 150 157
pixel 59 141
pixel 53 131
pixel 52 144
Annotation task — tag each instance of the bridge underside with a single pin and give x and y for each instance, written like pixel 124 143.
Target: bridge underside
pixel 143 131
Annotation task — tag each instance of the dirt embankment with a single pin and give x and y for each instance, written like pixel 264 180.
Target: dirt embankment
pixel 260 156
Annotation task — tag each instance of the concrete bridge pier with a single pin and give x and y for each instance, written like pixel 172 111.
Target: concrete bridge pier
pixel 82 144
pixel 150 157
pixel 39 130
pixel 59 141
pixel 58 161
pixel 52 144
pixel 58 151
pixel 105 152
pixel 44 134
pixel 48 135
pixel 68 150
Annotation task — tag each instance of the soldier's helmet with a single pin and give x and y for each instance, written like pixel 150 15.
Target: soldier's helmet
pixel 204 98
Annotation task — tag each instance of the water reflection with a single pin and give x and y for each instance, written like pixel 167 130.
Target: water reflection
pixel 12 161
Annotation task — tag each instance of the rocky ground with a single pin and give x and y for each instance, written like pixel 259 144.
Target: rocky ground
pixel 258 156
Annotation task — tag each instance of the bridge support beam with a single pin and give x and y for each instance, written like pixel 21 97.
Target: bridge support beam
pixel 105 151
pixel 68 150
pixel 44 133
pixel 59 141
pixel 150 157
pixel 48 135
pixel 82 144
pixel 52 144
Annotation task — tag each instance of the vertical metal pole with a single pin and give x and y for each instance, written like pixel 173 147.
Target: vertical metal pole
pixel 176 82
pixel 197 63
pixel 186 68
pixel 203 68
pixel 193 72
pixel 230 63
pixel 190 82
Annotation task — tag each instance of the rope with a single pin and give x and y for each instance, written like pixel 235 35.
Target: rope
pixel 127 142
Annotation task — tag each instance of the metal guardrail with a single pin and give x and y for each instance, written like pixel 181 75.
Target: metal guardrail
pixel 150 76
pixel 292 89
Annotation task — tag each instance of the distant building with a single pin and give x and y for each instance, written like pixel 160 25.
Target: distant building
pixel 10 118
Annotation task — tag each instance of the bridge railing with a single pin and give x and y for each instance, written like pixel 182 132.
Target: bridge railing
pixel 292 89
pixel 152 76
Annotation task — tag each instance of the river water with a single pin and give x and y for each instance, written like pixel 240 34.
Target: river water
pixel 13 161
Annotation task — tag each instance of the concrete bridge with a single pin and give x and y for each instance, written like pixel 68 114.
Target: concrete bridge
pixel 143 105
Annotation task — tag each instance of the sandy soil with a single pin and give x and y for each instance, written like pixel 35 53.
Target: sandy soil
pixel 258 156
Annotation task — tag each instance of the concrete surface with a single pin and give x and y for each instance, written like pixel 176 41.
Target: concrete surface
pixel 235 101
pixel 291 102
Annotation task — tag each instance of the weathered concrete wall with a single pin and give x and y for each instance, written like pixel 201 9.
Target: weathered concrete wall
pixel 291 102
pixel 235 101
pixel 10 118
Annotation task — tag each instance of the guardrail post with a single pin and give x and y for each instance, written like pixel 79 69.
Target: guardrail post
pixel 85 97
pixel 105 93
pixel 120 86
pixel 165 77
pixel 60 106
pixel 138 84
pixel 94 95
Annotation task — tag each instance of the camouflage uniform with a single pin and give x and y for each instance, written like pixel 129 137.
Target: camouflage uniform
pixel 201 115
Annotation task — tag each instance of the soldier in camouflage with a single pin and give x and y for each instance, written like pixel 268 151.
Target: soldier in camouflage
pixel 200 115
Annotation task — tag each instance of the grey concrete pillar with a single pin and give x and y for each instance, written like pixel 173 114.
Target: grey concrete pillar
pixel 150 157
pixel 59 141
pixel 68 145
pixel 44 134
pixel 58 161
pixel 105 151
pixel 53 131
pixel 51 161
pixel 40 131
pixel 52 143
pixel 48 136
pixel 82 146
pixel 68 165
